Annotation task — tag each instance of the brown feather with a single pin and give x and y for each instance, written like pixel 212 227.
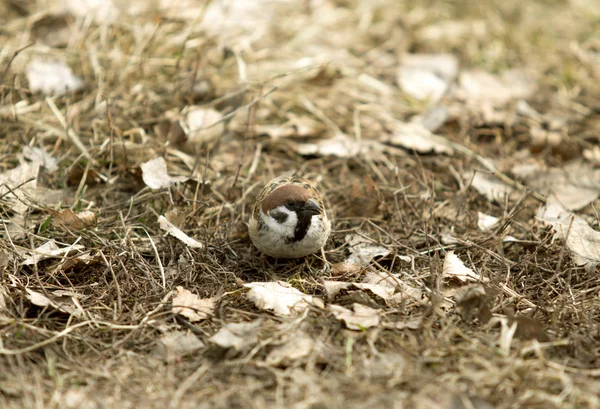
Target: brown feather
pixel 284 194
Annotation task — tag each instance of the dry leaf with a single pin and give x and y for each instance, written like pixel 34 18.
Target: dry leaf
pixel 575 185
pixel 340 145
pixel 237 336
pixel 154 173
pixel 427 76
pixel 38 155
pixel 489 186
pixel 52 77
pixel 191 306
pixel 393 285
pixel 104 11
pixel 167 226
pixel 202 125
pixel 299 346
pixel 473 301
pixel 61 302
pixel 332 288
pixel 486 222
pixel 49 250
pixel 69 220
pixel 581 240
pixel 362 250
pixel 176 344
pixel 453 267
pixel 280 297
pixel 482 87
pixel 415 136
pixel 359 318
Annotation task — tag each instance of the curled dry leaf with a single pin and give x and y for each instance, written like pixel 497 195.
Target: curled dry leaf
pixel 237 336
pixel 453 267
pixel 280 297
pixel 332 288
pixel 52 77
pixel 155 176
pixel 191 306
pixel 359 318
pixel 167 226
pixel 581 240
pixel 67 219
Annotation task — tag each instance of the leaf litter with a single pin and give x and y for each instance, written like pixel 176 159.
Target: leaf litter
pixel 390 108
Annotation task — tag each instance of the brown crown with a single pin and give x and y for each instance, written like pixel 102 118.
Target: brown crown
pixel 283 194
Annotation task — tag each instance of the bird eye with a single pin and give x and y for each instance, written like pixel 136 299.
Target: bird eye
pixel 290 203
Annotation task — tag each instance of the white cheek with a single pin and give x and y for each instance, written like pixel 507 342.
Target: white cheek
pixel 286 228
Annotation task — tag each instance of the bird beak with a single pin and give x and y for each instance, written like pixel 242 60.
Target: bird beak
pixel 312 207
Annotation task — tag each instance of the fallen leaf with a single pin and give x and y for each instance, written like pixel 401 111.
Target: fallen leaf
pixel 415 136
pixel 299 346
pixel 237 336
pixel 575 185
pixel 340 145
pixel 167 226
pixel 413 323
pixel 489 186
pixel 177 344
pixel 52 77
pixel 486 222
pixel 454 267
pixel 332 288
pixel 202 125
pixel 482 87
pixel 60 302
pixel 427 76
pixel 362 250
pixel 191 306
pixel 38 155
pixel 399 289
pixel 454 32
pixel 69 220
pixel 154 173
pixel 581 240
pixel 18 183
pixel 473 301
pixel 359 318
pixel 280 297
pixel 101 11
pixel 49 250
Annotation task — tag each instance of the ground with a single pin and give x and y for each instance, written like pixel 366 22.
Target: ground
pixel 416 120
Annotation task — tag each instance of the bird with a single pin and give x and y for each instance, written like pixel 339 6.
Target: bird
pixel 288 219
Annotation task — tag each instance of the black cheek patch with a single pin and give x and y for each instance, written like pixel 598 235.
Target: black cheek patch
pixel 280 217
pixel 304 220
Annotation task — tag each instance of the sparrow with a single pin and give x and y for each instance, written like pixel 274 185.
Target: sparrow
pixel 288 219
